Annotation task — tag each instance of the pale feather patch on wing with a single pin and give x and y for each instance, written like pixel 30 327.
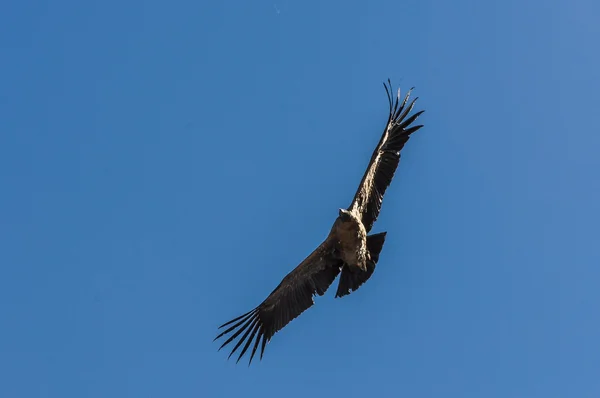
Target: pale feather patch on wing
pixel 385 159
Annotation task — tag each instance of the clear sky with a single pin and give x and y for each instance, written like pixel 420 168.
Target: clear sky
pixel 164 164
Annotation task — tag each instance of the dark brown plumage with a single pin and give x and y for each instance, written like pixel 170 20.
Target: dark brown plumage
pixel 386 156
pixel 347 249
pixel 378 176
pixel 293 296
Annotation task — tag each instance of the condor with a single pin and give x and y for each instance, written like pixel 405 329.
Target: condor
pixel 348 250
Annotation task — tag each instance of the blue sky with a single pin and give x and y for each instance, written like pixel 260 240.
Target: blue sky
pixel 164 165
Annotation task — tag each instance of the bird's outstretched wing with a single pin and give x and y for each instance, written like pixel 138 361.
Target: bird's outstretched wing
pixel 384 161
pixel 293 296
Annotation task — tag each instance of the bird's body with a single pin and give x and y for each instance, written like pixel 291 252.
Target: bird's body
pixel 348 249
pixel 350 237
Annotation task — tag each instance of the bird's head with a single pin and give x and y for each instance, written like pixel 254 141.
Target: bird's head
pixel 344 215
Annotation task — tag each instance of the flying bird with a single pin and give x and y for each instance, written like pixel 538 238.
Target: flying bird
pixel 348 249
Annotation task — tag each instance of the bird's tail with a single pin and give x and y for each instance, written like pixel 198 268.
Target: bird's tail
pixel 351 280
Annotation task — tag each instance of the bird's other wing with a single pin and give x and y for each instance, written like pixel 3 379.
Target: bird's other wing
pixel 384 161
pixel 293 296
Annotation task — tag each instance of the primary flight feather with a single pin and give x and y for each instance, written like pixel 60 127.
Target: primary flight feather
pixel 348 249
